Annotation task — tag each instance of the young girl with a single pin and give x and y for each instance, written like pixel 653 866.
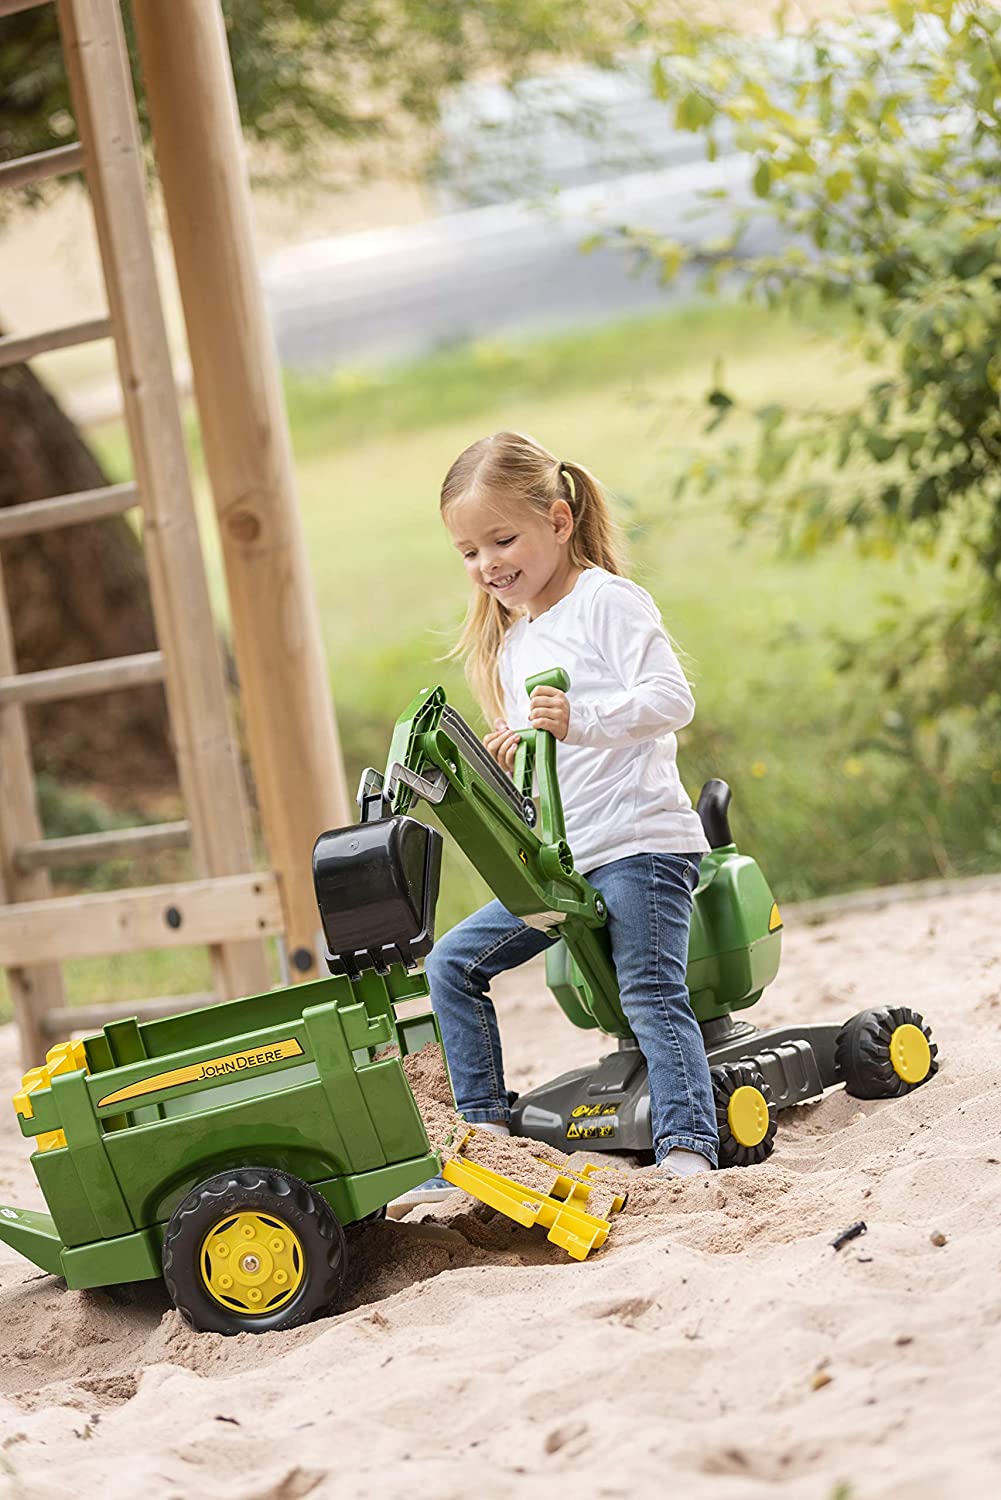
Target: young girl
pixel 538 543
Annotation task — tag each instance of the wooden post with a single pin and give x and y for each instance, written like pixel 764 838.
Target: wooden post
pixel 35 988
pixel 290 721
pixel 100 81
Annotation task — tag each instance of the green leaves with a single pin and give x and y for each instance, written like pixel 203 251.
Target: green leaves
pixel 693 111
pixel 877 145
pixel 722 404
pixel 897 195
pixel 879 447
pixel 838 184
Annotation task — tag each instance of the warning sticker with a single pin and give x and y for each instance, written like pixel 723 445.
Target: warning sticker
pixel 577 1131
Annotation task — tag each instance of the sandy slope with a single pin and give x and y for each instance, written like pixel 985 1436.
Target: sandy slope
pixel 719 1348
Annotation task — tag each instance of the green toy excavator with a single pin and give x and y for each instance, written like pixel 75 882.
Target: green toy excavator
pixel 734 947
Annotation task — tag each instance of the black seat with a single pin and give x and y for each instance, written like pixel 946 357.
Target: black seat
pixel 712 808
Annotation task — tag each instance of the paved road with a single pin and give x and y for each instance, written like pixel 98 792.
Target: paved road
pixel 510 268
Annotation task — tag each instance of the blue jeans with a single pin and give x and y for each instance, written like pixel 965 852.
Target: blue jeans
pixel 649 900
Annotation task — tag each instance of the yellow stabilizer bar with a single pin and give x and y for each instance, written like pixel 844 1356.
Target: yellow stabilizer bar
pixel 575 1187
pixel 64 1057
pixel 572 1228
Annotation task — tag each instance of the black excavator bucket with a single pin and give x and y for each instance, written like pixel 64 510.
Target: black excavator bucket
pixel 377 887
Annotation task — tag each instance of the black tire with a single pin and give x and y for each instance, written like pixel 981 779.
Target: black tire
pixel 282 1201
pixel 727 1079
pixel 862 1057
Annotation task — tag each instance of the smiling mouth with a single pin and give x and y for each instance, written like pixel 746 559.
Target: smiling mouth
pixel 501 584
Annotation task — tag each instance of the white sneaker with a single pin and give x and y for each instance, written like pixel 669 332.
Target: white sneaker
pixel 681 1163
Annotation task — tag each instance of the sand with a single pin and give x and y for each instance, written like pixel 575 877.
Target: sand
pixel 529 1163
pixel 717 1346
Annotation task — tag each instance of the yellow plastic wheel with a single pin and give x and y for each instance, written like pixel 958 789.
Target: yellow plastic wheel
pixel 910 1054
pixel 884 1053
pixel 745 1113
pixel 251 1263
pixel 747 1116
pixel 253 1250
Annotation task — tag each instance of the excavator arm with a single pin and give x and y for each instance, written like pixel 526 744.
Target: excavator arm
pixel 521 852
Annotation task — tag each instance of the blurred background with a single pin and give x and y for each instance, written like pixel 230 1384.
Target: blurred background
pixel 744 267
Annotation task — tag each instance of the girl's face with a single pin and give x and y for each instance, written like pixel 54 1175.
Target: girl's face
pixel 520 556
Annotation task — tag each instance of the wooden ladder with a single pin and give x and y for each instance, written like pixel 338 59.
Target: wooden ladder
pixel 230 907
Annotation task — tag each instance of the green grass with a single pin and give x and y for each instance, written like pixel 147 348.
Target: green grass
pixel 774 717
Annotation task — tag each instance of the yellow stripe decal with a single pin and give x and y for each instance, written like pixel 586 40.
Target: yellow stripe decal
pixel 213 1067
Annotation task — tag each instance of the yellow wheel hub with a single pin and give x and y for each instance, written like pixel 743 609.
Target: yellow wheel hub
pixel 747 1115
pixel 252 1263
pixel 910 1054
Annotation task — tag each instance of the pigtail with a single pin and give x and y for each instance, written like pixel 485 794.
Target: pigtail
pixel 596 540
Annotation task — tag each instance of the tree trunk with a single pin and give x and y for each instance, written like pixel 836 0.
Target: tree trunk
pixel 77 594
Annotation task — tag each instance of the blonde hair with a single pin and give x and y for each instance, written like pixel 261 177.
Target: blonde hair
pixel 510 470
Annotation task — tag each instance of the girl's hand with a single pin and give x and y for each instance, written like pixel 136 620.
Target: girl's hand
pixel 502 743
pixel 548 708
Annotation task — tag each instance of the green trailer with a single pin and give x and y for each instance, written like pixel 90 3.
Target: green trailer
pixel 227 1148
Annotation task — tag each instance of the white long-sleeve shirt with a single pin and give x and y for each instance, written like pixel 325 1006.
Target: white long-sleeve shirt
pixel 617 767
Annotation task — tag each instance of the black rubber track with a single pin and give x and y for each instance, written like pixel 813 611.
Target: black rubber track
pixel 727 1079
pixel 862 1053
pixel 258 1190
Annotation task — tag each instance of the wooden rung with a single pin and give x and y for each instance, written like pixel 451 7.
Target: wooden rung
pixel 14 350
pixel 33 516
pixel 83 1019
pixel 193 913
pixel 43 164
pixel 78 681
pixel 95 848
pixel 11 7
